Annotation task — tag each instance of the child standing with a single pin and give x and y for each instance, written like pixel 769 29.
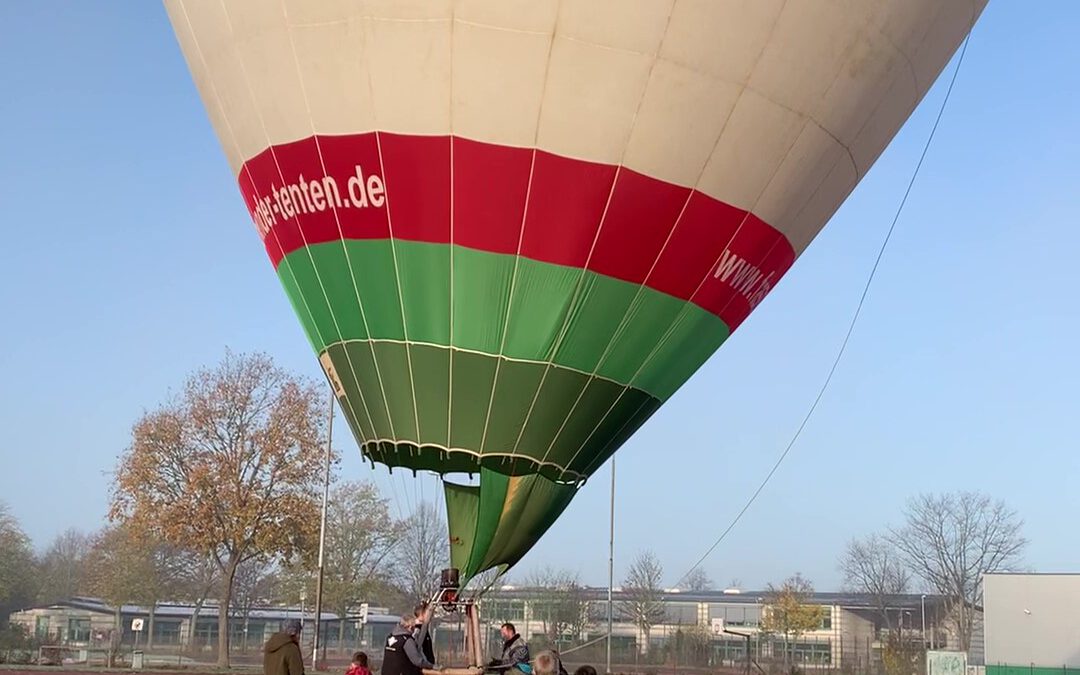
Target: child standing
pixel 359 665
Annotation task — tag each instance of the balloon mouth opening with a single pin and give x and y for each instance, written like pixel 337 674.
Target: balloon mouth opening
pixel 463 466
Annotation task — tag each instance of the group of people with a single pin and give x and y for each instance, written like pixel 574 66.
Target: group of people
pixel 409 651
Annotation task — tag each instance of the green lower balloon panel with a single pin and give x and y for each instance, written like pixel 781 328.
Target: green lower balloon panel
pixel 494 523
pixel 432 408
pixel 578 320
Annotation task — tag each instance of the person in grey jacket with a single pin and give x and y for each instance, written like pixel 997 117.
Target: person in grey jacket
pixel 402 654
pixel 515 653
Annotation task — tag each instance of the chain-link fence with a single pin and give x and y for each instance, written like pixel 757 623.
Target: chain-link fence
pixel 690 651
pixel 670 649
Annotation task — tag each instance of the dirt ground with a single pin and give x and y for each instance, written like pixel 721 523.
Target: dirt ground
pixel 250 670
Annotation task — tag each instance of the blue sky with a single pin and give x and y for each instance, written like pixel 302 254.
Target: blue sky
pixel 129 260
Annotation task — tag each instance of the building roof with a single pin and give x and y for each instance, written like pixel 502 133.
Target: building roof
pixel 840 599
pixel 1002 573
pixel 910 601
pixel 209 610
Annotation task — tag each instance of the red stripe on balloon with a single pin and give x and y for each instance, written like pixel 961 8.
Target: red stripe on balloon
pixel 616 222
pixel 489 219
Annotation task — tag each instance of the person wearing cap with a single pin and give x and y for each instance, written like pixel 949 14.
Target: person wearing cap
pixel 281 654
pixel 402 654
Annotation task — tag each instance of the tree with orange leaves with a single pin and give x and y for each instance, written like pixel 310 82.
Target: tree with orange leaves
pixel 232 467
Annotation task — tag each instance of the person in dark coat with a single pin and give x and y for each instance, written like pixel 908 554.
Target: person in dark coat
pixel 281 654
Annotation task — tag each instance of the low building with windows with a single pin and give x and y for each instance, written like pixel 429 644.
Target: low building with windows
pixel 695 628
pixel 1030 624
pixel 82 622
pixel 713 628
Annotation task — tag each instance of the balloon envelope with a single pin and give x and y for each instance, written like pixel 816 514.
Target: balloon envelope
pixel 512 229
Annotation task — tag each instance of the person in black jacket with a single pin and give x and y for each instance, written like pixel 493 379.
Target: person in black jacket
pixel 402 654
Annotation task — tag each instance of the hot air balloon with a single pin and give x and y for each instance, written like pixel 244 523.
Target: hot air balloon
pixel 512 229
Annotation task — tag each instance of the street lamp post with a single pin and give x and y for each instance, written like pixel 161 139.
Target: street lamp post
pixel 303 597
pixel 322 537
pixel 610 569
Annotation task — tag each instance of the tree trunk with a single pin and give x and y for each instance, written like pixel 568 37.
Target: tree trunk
pixel 223 632
pixel 961 623
pixel 229 576
pixel 204 594
pixel 150 628
pixel 118 637
pixel 341 630
pixel 192 625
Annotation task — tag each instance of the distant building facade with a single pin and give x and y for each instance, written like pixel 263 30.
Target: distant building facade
pixel 90 622
pixel 1031 624
pixel 851 630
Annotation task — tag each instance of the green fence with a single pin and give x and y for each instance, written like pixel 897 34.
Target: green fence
pixel 1001 669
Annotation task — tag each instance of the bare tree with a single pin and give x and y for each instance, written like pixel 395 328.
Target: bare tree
pixel 252 587
pixel 387 592
pixel 196 578
pixel 423 552
pixel 698 580
pixel 360 538
pixel 62 568
pixel 872 566
pixel 561 607
pixel 950 541
pixel 644 603
pixel 292 581
pixel 125 565
pixel 692 645
pixel 254 582
pixel 486 581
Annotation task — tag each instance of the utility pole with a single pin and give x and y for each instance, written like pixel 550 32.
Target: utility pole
pixel 322 536
pixel 611 567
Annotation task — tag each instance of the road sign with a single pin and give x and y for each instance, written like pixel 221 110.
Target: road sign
pixel 137 625
pixel 717 626
pixel 946 663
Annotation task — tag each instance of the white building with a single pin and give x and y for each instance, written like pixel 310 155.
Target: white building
pixel 1031 624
